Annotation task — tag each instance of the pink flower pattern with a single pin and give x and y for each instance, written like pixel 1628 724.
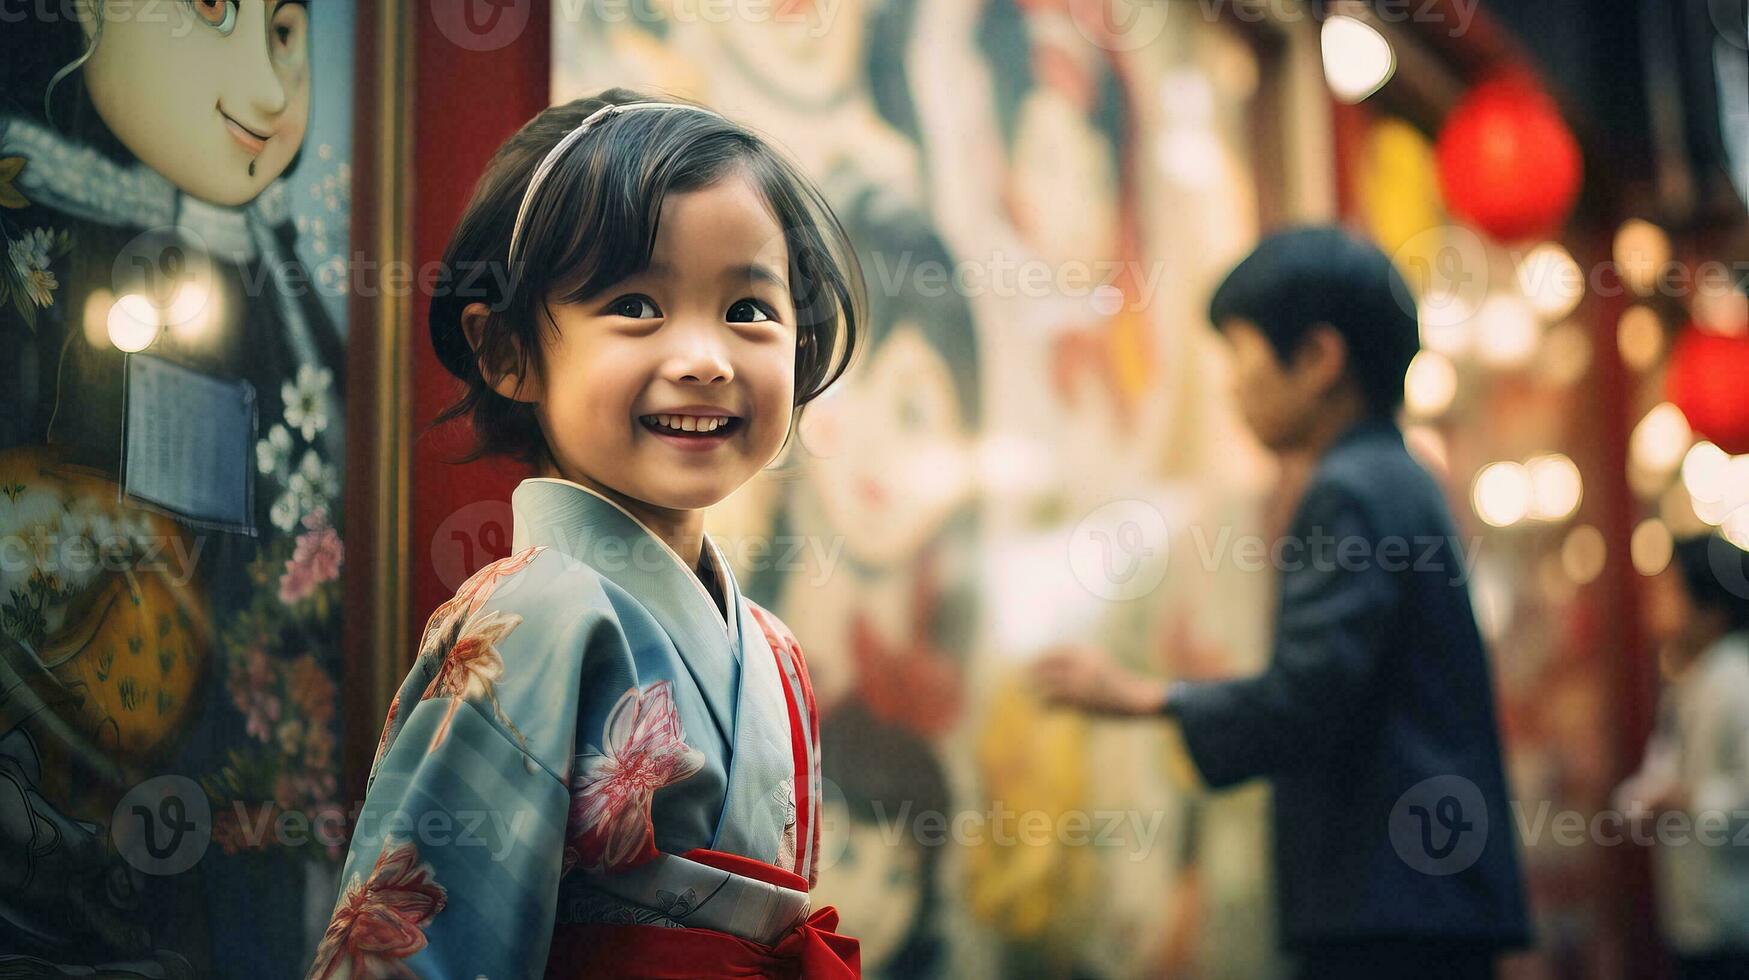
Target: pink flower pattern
pixel 472 667
pixel 380 921
pixel 464 652
pixel 643 749
pixel 315 559
pixel 473 595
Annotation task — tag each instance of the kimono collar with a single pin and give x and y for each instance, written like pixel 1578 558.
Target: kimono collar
pixel 597 531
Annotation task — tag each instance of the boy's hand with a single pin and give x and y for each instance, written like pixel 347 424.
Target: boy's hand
pixel 1088 679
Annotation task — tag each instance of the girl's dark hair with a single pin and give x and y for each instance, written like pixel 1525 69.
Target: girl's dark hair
pixel 593 223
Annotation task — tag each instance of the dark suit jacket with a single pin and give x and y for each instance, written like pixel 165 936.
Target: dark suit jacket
pixel 1375 718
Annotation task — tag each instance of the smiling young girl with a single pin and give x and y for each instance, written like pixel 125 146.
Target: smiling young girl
pixel 605 760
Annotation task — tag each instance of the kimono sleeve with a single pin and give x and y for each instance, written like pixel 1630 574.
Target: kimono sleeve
pixel 457 850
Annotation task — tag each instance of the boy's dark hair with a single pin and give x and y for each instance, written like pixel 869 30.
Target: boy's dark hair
pixel 1716 574
pixel 593 223
pixel 1298 279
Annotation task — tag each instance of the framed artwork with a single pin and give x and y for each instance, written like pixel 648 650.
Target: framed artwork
pixel 198 442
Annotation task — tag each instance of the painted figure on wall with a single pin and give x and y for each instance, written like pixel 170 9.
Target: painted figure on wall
pixel 168 338
pixel 886 775
pixel 887 475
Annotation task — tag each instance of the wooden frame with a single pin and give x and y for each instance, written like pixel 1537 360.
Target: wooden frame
pixel 378 416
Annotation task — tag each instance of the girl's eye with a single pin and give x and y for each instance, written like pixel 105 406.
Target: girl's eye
pixel 634 307
pixel 220 15
pixel 749 311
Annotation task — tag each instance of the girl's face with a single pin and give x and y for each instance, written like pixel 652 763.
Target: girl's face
pixel 201 89
pixel 704 338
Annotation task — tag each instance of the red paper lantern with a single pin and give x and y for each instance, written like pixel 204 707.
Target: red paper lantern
pixel 1508 164
pixel 1708 378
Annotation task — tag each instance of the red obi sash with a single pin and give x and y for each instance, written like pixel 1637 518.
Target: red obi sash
pixel 810 951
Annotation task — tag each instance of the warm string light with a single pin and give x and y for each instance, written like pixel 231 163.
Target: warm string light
pixel 1642 252
pixel 1551 281
pixel 1546 489
pixel 1507 332
pixel 1651 547
pixel 1503 494
pixel 1640 335
pixel 1659 442
pixel 1430 385
pixel 1584 553
pixel 1358 60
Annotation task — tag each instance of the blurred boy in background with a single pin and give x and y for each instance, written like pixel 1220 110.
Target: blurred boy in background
pixel 1395 854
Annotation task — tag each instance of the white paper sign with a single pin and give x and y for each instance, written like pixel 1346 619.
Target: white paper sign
pixel 188 443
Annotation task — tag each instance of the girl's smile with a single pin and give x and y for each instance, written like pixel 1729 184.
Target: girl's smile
pixel 693 428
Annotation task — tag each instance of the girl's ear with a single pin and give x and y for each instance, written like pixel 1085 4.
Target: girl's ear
pixel 502 368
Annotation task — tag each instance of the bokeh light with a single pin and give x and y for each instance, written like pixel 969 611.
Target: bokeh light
pixel 1652 546
pixel 1358 61
pixel 1503 494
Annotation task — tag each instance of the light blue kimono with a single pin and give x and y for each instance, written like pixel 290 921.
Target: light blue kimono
pixel 582 716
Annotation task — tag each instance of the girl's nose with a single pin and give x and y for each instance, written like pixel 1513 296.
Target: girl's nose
pixel 702 360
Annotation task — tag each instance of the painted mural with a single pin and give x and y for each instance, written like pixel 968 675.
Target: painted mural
pixel 1032 431
pixel 174 215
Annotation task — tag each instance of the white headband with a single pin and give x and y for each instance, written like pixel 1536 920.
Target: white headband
pixel 552 159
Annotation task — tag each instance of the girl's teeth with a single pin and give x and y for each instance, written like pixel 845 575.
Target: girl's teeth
pixel 690 423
